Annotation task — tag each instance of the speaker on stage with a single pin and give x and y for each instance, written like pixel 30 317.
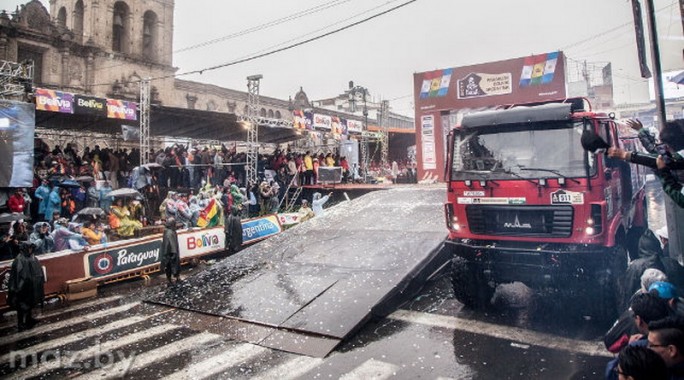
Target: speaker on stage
pixel 330 174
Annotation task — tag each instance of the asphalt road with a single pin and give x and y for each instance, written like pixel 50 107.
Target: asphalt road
pixel 431 336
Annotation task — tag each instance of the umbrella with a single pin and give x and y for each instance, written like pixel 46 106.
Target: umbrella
pixel 94 211
pixel 151 165
pixel 84 178
pixel 125 192
pixel 679 78
pixel 8 217
pixel 69 183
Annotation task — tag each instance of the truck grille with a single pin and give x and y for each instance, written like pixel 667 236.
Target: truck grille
pixel 531 221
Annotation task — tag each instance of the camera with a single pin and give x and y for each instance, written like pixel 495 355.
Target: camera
pixel 664 151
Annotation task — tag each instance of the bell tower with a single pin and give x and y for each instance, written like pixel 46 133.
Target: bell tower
pixel 133 29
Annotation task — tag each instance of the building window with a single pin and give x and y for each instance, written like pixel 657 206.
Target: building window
pixel 231 106
pixel 278 115
pixel 270 114
pixel 149 37
pixel 120 27
pixel 78 18
pixel 246 110
pixel 32 54
pixel 192 101
pixel 262 113
pixel 61 17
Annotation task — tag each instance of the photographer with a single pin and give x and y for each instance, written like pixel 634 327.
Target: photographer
pixel 663 158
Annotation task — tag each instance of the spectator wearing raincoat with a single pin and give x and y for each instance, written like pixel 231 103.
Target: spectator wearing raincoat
pixel 305 212
pixel 25 286
pixel 233 231
pixel 183 213
pixel 93 195
pixel 126 225
pixel 54 204
pixel 42 194
pixel 105 199
pixel 93 233
pixel 318 202
pixel 64 238
pixel 41 239
pixel 170 253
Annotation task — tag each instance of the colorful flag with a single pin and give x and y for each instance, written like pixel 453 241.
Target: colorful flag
pixel 435 84
pixel 210 216
pixel 538 69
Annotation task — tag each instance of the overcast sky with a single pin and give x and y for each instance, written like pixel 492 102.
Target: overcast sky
pixel 382 54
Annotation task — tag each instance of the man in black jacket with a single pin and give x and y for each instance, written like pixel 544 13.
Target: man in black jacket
pixel 25 288
pixel 170 254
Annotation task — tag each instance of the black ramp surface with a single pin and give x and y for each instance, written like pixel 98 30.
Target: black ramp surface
pixel 330 274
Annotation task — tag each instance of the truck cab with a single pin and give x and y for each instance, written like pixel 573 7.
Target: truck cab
pixel 525 202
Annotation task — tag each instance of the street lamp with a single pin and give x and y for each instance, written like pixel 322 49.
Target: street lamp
pixel 354 93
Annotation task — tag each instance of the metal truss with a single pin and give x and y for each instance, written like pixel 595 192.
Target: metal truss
pixel 144 121
pixel 16 79
pixel 253 82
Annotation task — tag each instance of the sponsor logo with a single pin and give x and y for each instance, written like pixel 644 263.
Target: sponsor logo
pixel 516 224
pixel 206 240
pixel 91 103
pixel 104 263
pixel 56 102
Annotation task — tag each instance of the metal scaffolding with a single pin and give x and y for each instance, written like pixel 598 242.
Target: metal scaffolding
pixel 253 82
pixel 144 121
pixel 16 79
pixel 384 122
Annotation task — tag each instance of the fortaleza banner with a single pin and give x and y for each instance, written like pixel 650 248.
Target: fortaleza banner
pixel 64 102
pixel 260 228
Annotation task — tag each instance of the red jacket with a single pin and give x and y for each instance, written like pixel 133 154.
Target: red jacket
pixel 16 203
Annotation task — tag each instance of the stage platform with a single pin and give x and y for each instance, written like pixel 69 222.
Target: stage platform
pixel 311 286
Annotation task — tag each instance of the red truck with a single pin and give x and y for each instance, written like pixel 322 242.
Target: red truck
pixel 525 202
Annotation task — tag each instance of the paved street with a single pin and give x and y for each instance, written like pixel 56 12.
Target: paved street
pixel 431 336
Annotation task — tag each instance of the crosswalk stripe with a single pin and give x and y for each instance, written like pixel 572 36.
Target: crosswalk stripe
pixel 219 363
pixel 371 370
pixel 69 309
pixel 67 322
pixel 75 337
pixel 122 368
pixel 87 353
pixel 292 369
pixel 515 334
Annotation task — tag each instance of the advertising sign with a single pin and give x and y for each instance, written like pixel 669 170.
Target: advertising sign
pixel 354 126
pixel 427 131
pixel 201 242
pixel 121 109
pixel 323 122
pixel 289 218
pixel 520 80
pixel 90 105
pixel 54 101
pixel 260 228
pixel 123 258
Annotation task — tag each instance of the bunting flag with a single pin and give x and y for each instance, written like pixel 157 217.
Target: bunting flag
pixel 209 217
pixel 538 69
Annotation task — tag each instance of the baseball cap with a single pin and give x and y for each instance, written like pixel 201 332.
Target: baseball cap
pixel 665 289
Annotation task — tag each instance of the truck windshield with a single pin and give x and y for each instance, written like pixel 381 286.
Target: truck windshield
pixel 551 150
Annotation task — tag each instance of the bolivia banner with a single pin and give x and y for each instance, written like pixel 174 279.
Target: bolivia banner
pixel 54 101
pixel 121 109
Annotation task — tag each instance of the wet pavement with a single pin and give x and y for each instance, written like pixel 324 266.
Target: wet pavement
pixel 430 336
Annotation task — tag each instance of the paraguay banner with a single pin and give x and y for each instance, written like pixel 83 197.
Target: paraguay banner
pixel 54 101
pixel 210 216
pixel 257 229
pixel 121 109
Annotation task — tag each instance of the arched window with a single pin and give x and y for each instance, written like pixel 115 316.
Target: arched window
pixel 120 27
pixel 278 115
pixel 270 114
pixel 246 112
pixel 78 18
pixel 61 17
pixel 262 113
pixel 149 36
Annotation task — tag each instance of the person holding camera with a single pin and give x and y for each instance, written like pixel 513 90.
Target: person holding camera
pixel 663 158
pixel 41 238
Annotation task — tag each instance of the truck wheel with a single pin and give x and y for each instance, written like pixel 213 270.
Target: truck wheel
pixel 470 288
pixel 606 295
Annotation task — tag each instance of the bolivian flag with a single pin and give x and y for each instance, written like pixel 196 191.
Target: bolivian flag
pixel 209 217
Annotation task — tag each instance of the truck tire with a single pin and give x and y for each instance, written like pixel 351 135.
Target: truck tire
pixel 470 287
pixel 606 295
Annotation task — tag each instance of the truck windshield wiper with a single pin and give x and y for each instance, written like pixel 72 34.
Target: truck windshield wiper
pixel 554 171
pixel 511 172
